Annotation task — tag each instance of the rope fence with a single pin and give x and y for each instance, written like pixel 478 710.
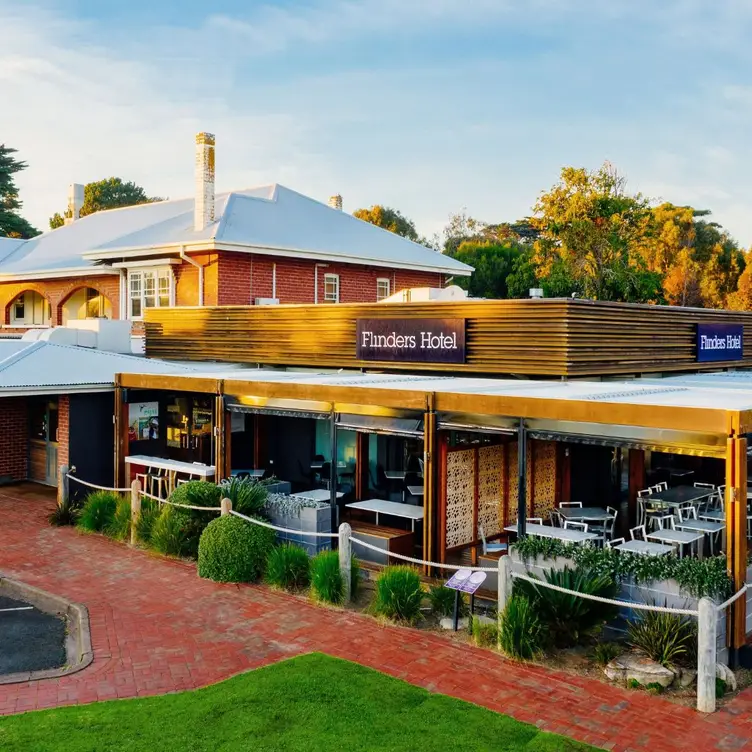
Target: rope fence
pixel 260 523
pixel 95 486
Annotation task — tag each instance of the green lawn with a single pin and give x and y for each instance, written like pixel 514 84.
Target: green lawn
pixel 305 704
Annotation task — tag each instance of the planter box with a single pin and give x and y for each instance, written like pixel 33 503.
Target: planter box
pixel 308 520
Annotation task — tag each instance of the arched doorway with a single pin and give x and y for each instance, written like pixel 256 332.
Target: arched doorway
pixel 29 308
pixel 86 303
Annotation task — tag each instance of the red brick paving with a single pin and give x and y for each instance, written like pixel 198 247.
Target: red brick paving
pixel 156 627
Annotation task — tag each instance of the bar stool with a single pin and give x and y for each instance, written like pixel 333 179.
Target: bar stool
pixel 158 479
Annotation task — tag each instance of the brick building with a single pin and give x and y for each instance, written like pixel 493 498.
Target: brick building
pixel 259 246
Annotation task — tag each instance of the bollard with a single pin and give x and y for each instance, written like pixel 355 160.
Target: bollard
pixel 135 509
pixel 706 655
pixel 505 590
pixel 345 558
pixel 62 485
pixel 225 507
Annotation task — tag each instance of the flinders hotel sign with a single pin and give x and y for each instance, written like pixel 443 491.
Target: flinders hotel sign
pixel 411 340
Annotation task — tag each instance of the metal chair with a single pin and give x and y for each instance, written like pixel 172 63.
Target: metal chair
pixel 641 533
pixel 534 520
pixel 555 518
pixel 570 504
pixel 614 542
pixel 606 528
pixel 572 525
pixel 491 548
pixel 668 519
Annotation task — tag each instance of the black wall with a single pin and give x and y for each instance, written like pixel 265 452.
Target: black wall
pixel 92 440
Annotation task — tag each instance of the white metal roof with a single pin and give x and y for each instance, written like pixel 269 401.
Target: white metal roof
pixel 269 219
pixel 40 367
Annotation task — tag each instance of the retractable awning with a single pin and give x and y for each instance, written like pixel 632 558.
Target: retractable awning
pixel 381 425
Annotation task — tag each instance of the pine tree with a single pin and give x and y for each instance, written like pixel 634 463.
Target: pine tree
pixel 12 225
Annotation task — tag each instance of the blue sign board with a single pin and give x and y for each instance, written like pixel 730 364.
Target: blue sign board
pixel 716 342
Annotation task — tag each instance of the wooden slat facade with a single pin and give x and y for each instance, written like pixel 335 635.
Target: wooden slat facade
pixel 549 337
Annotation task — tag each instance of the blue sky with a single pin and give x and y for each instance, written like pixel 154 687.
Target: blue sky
pixel 425 105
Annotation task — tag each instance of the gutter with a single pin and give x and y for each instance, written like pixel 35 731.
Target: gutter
pixel 200 274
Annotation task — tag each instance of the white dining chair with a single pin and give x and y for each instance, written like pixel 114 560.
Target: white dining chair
pixel 640 535
pixel 614 542
pixel 572 525
pixel 570 504
pixel 491 548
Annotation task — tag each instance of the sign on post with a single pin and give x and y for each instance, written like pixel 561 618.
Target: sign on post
pixel 716 342
pixel 464 581
pixel 411 340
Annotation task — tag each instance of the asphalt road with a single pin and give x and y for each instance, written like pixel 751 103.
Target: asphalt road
pixel 29 640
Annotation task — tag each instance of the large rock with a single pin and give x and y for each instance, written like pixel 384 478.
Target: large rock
pixel 722 671
pixel 640 668
pixel 687 678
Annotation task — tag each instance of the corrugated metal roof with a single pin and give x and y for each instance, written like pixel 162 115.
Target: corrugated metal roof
pixel 41 366
pixel 268 219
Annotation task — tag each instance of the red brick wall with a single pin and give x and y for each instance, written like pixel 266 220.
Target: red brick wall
pixel 63 429
pixel 14 438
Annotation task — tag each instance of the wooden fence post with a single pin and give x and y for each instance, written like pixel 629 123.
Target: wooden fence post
pixel 505 590
pixel 62 484
pixel 345 558
pixel 135 509
pixel 225 507
pixel 706 655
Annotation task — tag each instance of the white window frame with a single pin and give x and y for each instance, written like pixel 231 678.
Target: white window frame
pixel 331 297
pixel 156 275
pixel 380 282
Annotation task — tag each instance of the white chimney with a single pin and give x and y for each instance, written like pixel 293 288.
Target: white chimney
pixel 336 202
pixel 536 292
pixel 203 213
pixel 75 202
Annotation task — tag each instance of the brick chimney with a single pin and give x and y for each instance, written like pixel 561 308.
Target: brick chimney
pixel 75 202
pixel 336 202
pixel 203 213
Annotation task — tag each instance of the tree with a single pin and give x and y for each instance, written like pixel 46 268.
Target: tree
pixel 493 263
pixel 389 219
pixel 589 227
pixel 463 228
pixel 12 225
pixel 741 299
pixel 110 193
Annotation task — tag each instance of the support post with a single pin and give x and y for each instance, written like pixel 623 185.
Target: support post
pixel 219 436
pixel 521 479
pixel 736 537
pixel 706 656
pixel 135 509
pixel 225 507
pixel 429 481
pixel 333 469
pixel 62 484
pixel 505 589
pixel 345 558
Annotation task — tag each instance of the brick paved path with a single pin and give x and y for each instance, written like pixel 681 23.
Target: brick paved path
pixel 156 627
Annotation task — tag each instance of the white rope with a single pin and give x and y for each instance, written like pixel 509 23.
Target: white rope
pixel 94 485
pixel 609 601
pixel 180 506
pixel 283 529
pixel 736 595
pixel 420 561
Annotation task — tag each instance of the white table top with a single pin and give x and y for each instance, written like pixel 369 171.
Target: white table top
pixel 395 474
pixel 317 494
pixel 415 490
pixel 584 513
pixel 394 508
pixel 189 468
pixel 713 514
pixel 646 548
pixel 253 472
pixel 706 526
pixel 675 536
pixel 560 533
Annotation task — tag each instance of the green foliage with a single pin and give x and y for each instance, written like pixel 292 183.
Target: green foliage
pixel 484 635
pixel 196 493
pixel 110 193
pixel 388 219
pixel 633 684
pixel 720 687
pixel 665 638
pixel 169 532
pixel 569 617
pixel 248 496
pixel 355 577
pixel 605 652
pixel 698 578
pixel 120 526
pixel 233 550
pixel 12 225
pixel 399 594
pixel 493 263
pixel 655 688
pixel 65 514
pixel 442 601
pixel 149 512
pixel 326 579
pixel 522 635
pixel 98 511
pixel 288 567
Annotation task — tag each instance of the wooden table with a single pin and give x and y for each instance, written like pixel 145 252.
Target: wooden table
pixel 560 533
pixel 392 508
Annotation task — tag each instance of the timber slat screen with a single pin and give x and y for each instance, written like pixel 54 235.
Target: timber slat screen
pixel 549 337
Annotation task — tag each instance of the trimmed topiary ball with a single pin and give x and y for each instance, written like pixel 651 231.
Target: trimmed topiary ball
pixel 233 550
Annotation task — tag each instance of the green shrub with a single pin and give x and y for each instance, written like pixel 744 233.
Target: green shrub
pixel 399 594
pixel 197 493
pixel 633 684
pixel 326 579
pixel 355 577
pixel 233 550
pixel 248 496
pixel 288 567
pixel 569 617
pixel 442 601
pixel 655 688
pixel 66 513
pixel 605 652
pixel 98 511
pixel 120 526
pixel 150 510
pixel 169 532
pixel 665 638
pixel 720 687
pixel 521 635
pixel 484 635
